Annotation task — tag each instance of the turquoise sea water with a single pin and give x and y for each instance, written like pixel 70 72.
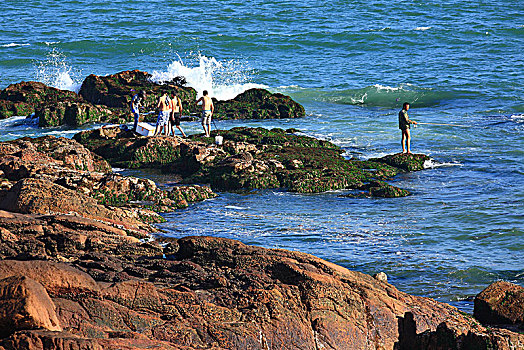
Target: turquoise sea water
pixel 351 64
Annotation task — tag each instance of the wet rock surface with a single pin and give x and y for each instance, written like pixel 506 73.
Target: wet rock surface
pixel 254 158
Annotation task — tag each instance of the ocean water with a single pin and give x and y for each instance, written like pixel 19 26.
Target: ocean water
pixel 351 64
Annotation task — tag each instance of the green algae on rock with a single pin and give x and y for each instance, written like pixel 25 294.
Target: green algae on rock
pixel 252 158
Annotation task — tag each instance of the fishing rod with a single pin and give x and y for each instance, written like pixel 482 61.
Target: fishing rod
pixel 442 124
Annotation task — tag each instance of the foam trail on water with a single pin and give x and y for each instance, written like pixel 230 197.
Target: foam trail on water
pixel 223 80
pixel 55 71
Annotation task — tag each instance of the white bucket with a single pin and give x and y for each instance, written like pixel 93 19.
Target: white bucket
pixel 218 140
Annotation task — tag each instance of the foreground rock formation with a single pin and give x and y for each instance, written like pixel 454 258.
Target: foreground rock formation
pixel 58 175
pixel 106 99
pixel 253 158
pixel 85 285
pixel 79 270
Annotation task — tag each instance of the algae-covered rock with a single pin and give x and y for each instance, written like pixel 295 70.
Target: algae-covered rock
pixel 52 106
pixel 249 158
pixel 404 161
pixel 258 104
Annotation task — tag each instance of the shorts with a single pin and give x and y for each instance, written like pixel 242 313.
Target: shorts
pixel 175 118
pixel 206 118
pixel 163 118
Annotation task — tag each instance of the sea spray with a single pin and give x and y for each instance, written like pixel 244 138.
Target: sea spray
pixel 55 71
pixel 222 79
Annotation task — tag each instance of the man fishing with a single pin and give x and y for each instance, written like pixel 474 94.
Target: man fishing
pixel 403 125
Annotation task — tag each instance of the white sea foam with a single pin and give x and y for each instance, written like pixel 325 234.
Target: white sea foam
pixel 55 71
pixel 14 45
pixel 222 79
pixel 422 28
pixel 11 122
pixel 51 42
pixel 234 207
pixel 432 164
pixel 519 118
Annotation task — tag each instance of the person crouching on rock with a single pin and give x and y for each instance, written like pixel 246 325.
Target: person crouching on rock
pixel 403 125
pixel 176 112
pixel 164 111
pixel 136 103
pixel 207 112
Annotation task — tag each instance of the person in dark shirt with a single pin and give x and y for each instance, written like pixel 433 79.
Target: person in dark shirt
pixel 136 103
pixel 403 124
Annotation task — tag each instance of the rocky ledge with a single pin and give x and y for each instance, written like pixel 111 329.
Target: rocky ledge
pixel 254 158
pixel 68 282
pixel 58 175
pixel 106 99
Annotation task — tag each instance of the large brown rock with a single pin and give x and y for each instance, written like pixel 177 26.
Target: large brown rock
pixel 116 91
pixel 55 277
pixel 204 292
pixel 36 196
pixel 500 303
pixel 25 304
pixel 67 164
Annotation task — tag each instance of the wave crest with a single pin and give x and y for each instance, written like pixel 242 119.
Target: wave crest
pixel 375 96
pixel 222 79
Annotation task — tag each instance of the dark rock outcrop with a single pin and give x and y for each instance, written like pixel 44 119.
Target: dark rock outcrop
pixel 258 104
pixel 252 158
pixel 107 98
pixel 52 106
pixel 501 303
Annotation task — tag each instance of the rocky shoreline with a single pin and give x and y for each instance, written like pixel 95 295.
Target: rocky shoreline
pixel 79 269
pixel 82 267
pixel 106 99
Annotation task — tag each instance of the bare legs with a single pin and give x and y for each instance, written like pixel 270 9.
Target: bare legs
pixel 406 141
pixel 207 129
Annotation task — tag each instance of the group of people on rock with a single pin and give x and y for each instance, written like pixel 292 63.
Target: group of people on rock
pixel 170 111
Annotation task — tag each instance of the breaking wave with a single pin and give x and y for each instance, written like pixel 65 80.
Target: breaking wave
pixel 55 71
pixel 222 79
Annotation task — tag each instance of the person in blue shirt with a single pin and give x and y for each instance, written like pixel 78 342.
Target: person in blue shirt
pixel 136 103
